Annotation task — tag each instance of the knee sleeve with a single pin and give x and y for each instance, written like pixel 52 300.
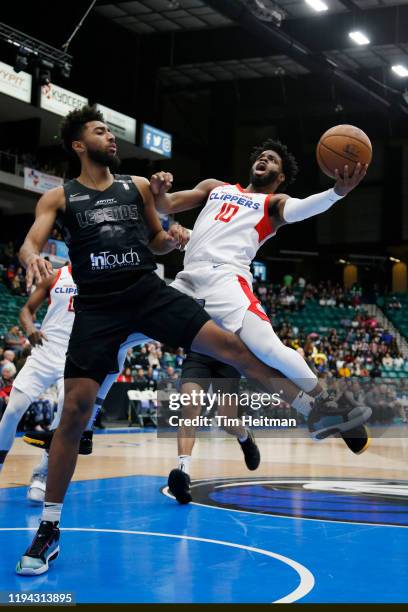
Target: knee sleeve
pixel 17 405
pixel 261 340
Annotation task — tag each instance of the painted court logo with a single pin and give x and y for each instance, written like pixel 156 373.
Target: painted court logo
pixel 105 260
pixel 378 502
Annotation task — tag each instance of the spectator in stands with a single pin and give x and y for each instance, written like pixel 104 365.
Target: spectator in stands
pixel 386 337
pixel 344 371
pixel 12 340
pixel 375 371
pixel 287 280
pixel 142 358
pixel 262 291
pixel 8 357
pixel 126 376
pixel 8 372
pixel 131 359
pixel 171 374
pixel 394 303
pixel 387 361
pixel 10 274
pixel 354 395
pixel 398 361
pixel 141 383
pixel 154 355
pixel 151 378
pixel 180 356
pixel 9 253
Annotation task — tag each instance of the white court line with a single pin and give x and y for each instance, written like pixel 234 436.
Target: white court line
pixel 167 493
pixel 307 580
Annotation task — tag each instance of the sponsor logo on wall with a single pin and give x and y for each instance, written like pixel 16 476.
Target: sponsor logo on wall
pixel 59 100
pixel 17 85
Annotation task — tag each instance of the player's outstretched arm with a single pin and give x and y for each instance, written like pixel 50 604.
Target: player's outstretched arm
pixel 161 242
pixel 285 209
pixel 179 201
pixel 36 267
pixel 38 296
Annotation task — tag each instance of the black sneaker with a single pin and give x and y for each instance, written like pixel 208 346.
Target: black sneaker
pixel 358 439
pixel 251 451
pixel 329 417
pixel 44 549
pixel 43 439
pixel 179 486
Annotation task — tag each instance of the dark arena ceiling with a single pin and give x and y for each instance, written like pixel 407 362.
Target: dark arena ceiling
pixel 235 40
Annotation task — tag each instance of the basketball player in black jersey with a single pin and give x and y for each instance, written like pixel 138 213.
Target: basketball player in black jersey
pixel 112 230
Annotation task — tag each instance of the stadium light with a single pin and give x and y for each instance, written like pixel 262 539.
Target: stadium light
pixel 33 52
pixel 401 70
pixel 394 259
pixel 317 5
pixel 359 38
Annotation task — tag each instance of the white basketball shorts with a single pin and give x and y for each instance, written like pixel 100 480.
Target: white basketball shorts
pixel 226 292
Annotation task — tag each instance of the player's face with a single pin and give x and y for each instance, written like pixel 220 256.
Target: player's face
pixel 266 169
pixel 99 144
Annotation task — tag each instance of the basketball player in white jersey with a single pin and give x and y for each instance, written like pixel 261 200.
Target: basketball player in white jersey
pixel 227 234
pixel 45 367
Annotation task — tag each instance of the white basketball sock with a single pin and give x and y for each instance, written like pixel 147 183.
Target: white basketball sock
pixel 51 512
pixel 184 462
pixel 303 403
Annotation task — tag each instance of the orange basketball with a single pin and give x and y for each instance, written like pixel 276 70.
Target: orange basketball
pixel 341 145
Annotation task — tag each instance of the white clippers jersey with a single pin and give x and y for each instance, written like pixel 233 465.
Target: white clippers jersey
pixel 58 321
pixel 231 227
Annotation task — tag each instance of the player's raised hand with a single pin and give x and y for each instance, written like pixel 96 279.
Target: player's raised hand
pixel 344 184
pixel 38 269
pixel 180 235
pixel 161 182
pixel 36 338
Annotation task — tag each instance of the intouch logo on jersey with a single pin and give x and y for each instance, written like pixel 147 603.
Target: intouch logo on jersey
pixel 105 260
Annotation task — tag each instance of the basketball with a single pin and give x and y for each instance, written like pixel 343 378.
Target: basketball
pixel 341 145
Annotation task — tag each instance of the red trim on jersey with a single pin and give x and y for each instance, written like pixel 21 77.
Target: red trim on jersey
pixel 54 282
pixel 70 269
pixel 255 305
pixel 238 186
pixel 264 227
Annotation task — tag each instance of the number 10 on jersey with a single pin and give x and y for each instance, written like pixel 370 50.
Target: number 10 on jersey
pixel 227 211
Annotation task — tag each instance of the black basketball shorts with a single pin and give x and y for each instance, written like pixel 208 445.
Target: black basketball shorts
pixel 148 307
pixel 206 371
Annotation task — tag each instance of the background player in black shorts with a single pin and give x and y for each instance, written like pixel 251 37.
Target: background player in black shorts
pixel 199 372
pixel 112 230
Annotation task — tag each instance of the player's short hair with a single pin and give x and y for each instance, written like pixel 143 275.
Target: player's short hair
pixel 289 164
pixel 74 123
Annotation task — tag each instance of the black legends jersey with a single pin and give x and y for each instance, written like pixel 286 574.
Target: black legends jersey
pixel 106 235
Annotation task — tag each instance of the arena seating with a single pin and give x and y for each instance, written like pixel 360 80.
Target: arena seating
pixel 10 306
pixel 398 315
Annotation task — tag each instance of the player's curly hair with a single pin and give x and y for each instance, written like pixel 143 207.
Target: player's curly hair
pixel 73 124
pixel 289 164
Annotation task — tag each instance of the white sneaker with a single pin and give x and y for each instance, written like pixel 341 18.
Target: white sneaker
pixel 36 490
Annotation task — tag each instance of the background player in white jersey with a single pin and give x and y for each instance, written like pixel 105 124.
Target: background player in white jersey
pixel 231 227
pixel 45 367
